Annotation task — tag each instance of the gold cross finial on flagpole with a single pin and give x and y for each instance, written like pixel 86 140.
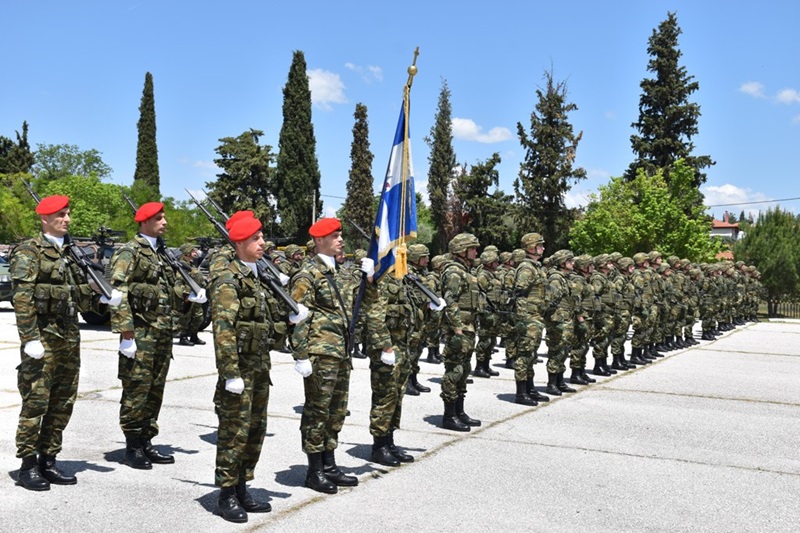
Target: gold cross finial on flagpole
pixel 412 70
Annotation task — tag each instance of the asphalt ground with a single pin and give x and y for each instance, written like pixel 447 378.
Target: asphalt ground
pixel 705 439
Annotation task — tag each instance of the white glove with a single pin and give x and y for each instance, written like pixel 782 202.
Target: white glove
pixel 234 385
pixel 433 307
pixel 368 266
pixel 127 347
pixel 303 367
pixel 199 298
pixel 34 349
pixel 301 315
pixel 387 358
pixel 283 278
pixel 114 301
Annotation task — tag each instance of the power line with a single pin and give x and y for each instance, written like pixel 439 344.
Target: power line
pixel 758 202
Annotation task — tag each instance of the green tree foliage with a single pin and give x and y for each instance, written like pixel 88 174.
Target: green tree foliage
pixel 146 149
pixel 185 222
pixel 297 176
pixel 17 217
pixel 646 214
pixel 425 227
pixel 667 119
pixel 92 203
pixel 484 214
pixel 16 157
pixel 547 172
pixel 772 246
pixel 247 177
pixel 358 205
pixel 441 163
pixel 56 161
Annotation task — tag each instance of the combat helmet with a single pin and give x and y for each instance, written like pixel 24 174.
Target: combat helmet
pixel 462 242
pixel 561 257
pixel 639 258
pixel 529 240
pixel 417 251
pixel 437 261
pixel 614 257
pixel 583 261
pixel 359 254
pixel 488 256
pixel 518 255
pixel 291 249
pixel 505 256
pixel 602 260
pixel 624 262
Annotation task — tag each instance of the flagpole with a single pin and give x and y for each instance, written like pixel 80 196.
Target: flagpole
pixel 350 341
pixel 401 252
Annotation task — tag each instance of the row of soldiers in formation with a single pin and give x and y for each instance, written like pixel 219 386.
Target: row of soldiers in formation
pixel 480 301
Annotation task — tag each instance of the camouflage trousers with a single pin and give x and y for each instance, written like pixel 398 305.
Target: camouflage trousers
pixel 388 389
pixel 414 349
pixel 487 338
pixel 619 332
pixel 560 336
pixel 327 390
pixel 602 328
pixel 640 320
pixel 432 330
pixel 677 319
pixel 690 319
pixel 143 379
pixel 189 323
pixel 457 358
pixel 526 346
pixel 48 387
pixel 580 343
pixel 242 427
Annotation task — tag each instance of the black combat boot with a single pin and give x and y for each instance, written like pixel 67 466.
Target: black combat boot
pixel 433 355
pixel 464 417
pixel 185 341
pixel 410 390
pixel 134 454
pixel 156 457
pixel 450 420
pixel 552 384
pixel 689 339
pixel 246 500
pixel 617 364
pixel 489 370
pixel 30 477
pixel 381 453
pixel 315 478
pixel 600 368
pixel 562 385
pixel 576 378
pixel 197 340
pixel 509 363
pixel 334 473
pixel 586 377
pixel 480 371
pixel 522 397
pixel 229 507
pixel 417 385
pixel 358 352
pixel 655 351
pixel 532 392
pixel 397 452
pixel 49 470
pixel 637 358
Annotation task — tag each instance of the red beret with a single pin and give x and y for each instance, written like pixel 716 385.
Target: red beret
pixel 236 216
pixel 148 210
pixel 324 227
pixel 244 228
pixel 52 204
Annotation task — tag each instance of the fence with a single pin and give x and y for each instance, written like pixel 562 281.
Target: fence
pixel 785 309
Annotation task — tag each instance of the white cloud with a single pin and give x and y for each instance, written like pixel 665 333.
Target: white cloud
pixel 368 74
pixel 598 173
pixel 788 96
pixel 753 88
pixel 576 198
pixel 741 198
pixel 466 130
pixel 326 88
pixel 210 165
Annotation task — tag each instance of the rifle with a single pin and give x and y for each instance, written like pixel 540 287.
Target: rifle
pixel 432 296
pixel 80 257
pixel 265 274
pixel 174 263
pixel 268 265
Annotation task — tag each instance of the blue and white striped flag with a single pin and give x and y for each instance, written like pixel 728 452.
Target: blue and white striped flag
pixel 396 222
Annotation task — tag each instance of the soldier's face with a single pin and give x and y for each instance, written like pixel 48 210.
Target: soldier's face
pixel 297 256
pixel 330 245
pixel 155 226
pixel 252 248
pixel 423 261
pixel 472 253
pixel 56 224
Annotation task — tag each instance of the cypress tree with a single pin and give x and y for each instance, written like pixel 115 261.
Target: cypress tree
pixel 297 176
pixel 358 205
pixel 146 149
pixel 441 163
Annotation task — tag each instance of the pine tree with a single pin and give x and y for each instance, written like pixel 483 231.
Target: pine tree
pixel 547 172
pixel 146 149
pixel 297 176
pixel 358 205
pixel 667 119
pixel 441 164
pixel 16 157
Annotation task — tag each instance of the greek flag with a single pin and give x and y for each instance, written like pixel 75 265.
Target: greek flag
pixel 396 222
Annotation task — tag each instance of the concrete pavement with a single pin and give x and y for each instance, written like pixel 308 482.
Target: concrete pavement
pixel 706 439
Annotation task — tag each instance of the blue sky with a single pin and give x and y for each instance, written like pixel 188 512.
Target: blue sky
pixel 75 71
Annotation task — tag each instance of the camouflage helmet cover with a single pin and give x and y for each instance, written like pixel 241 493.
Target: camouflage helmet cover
pixel 417 252
pixel 359 254
pixel 488 256
pixel 583 261
pixel 291 249
pixel 561 257
pixel 462 242
pixel 505 256
pixel 639 258
pixel 529 240
pixel 614 256
pixel 437 261
pixel 518 255
pixel 624 262
pixel 187 247
pixel 602 260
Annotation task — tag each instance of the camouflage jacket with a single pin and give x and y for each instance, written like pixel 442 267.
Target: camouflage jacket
pixel 219 261
pixel 460 291
pixel 247 320
pixel 48 287
pixel 529 290
pixel 150 289
pixel 604 291
pixel 560 301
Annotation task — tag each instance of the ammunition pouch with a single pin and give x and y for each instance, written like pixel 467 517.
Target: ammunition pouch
pixel 54 300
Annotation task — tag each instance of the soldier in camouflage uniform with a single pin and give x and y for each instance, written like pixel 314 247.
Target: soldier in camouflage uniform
pixel 514 330
pixel 151 290
pixel 321 354
pixel 248 321
pixel 418 257
pixel 642 307
pixel 583 292
pixel 49 290
pixel 294 259
pixel 461 293
pixel 628 304
pixel 188 323
pixel 432 330
pixel 495 312
pixel 603 319
pixel 559 320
